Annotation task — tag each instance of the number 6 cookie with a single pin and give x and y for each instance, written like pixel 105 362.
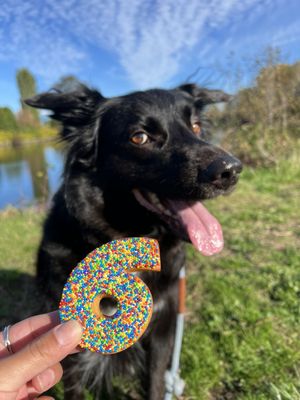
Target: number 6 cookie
pixel 107 273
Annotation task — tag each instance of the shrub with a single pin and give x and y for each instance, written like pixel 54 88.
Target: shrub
pixel 7 120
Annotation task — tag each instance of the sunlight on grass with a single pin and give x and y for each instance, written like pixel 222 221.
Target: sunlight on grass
pixel 19 235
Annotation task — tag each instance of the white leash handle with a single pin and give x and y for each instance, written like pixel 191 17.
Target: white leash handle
pixel 174 384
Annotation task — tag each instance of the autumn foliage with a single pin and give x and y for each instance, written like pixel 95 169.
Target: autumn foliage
pixel 262 123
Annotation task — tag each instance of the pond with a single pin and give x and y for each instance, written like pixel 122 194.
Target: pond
pixel 29 174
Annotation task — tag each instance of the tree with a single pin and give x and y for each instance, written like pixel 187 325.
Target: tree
pixel 261 123
pixel 27 88
pixel 7 120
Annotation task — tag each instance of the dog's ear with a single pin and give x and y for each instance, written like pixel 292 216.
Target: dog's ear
pixel 75 108
pixel 203 96
pixel 79 111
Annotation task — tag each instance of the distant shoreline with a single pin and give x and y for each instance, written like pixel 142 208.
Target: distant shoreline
pixel 14 139
pixel 26 142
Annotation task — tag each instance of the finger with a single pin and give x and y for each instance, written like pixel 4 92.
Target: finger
pixel 39 355
pixel 25 331
pixel 43 382
pixel 46 379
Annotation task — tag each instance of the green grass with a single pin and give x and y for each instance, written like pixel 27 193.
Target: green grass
pixel 20 232
pixel 243 340
pixel 242 337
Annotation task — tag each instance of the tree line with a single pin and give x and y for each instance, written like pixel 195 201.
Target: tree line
pixel 262 122
pixel 260 125
pixel 27 117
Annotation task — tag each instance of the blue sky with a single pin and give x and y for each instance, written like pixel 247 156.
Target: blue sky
pixel 123 45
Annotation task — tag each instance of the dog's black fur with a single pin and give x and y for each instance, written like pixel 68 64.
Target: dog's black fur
pixel 105 162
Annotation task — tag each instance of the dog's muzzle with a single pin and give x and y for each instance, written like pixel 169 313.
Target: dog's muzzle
pixel 223 172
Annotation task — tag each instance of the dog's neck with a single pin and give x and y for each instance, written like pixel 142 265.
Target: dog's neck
pixel 111 212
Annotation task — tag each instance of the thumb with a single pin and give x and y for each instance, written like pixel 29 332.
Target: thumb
pixel 39 355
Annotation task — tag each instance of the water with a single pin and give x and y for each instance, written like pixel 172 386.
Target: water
pixel 29 174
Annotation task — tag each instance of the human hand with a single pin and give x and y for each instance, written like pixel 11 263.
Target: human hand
pixel 39 344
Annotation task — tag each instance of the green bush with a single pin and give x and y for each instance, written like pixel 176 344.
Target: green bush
pixel 259 146
pixel 261 125
pixel 7 120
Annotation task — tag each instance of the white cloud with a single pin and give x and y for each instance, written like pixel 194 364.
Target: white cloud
pixel 151 39
pixel 287 35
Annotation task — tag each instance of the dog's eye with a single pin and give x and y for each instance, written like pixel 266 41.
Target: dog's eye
pixel 139 138
pixel 196 126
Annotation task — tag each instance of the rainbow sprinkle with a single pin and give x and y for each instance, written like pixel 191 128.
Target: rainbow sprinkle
pixel 106 272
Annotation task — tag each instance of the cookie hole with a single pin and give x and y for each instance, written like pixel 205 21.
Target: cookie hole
pixel 108 306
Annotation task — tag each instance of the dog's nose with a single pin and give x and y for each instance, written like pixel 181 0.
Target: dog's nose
pixel 224 171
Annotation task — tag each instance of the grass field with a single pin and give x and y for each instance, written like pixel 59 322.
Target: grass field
pixel 242 337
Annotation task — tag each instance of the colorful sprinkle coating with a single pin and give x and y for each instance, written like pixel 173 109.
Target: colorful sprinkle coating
pixel 107 272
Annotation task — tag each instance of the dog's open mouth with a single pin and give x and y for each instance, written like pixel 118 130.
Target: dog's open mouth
pixel 189 220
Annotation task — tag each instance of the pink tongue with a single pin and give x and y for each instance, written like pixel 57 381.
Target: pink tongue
pixel 203 229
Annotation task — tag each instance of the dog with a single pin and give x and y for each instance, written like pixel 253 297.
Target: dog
pixel 136 165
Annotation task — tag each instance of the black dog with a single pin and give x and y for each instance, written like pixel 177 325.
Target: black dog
pixel 137 165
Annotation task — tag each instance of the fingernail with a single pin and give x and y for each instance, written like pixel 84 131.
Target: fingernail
pixel 68 333
pixel 45 380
